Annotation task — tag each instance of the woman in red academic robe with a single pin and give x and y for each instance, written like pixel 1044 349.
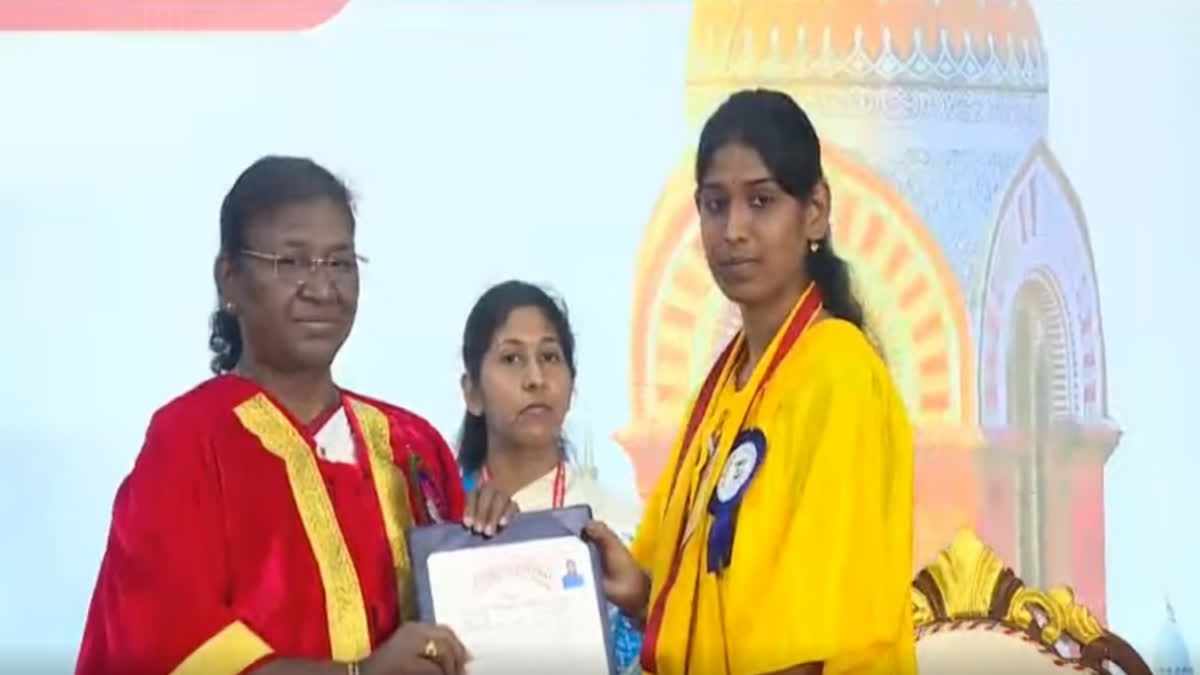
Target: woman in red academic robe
pixel 262 527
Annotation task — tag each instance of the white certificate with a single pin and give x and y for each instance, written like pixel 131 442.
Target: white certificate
pixel 526 607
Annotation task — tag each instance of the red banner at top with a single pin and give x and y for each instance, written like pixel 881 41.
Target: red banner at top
pixel 166 15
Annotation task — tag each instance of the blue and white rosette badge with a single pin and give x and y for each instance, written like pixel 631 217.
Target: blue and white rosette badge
pixel 749 448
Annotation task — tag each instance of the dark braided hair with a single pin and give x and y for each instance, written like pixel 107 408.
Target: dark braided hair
pixel 263 188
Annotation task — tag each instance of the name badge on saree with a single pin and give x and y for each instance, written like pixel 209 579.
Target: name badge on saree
pixel 749 448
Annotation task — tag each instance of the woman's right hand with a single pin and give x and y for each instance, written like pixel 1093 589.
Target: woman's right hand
pixel 625 584
pixel 418 649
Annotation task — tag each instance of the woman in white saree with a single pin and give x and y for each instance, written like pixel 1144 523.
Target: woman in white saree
pixel 519 357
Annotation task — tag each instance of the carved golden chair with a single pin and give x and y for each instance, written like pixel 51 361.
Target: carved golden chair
pixel 973 615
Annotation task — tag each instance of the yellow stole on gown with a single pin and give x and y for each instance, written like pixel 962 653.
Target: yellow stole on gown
pixel 812 458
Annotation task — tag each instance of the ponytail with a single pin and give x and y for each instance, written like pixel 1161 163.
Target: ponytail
pixel 225 341
pixel 831 275
pixel 472 444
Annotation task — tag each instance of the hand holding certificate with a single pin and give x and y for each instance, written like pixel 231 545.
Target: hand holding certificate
pixel 527 600
pixel 418 648
pixel 624 583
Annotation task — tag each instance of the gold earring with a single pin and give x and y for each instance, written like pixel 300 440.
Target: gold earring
pixel 814 246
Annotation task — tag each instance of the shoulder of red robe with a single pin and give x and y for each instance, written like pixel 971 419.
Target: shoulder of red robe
pixel 434 474
pixel 403 418
pixel 196 406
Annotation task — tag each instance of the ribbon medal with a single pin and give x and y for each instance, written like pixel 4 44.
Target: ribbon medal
pixel 749 448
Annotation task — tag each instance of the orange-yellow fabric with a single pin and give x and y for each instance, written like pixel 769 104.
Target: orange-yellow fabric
pixel 823 547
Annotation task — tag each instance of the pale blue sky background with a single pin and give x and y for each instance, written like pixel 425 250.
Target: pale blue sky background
pixel 490 140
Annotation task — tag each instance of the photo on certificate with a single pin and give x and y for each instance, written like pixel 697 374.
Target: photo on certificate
pixel 527 600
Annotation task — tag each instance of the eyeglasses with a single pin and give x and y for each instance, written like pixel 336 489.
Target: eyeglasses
pixel 342 269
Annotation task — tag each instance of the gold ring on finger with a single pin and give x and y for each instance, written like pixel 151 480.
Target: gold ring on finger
pixel 431 651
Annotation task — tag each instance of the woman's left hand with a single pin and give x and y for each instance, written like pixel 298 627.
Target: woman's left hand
pixel 488 510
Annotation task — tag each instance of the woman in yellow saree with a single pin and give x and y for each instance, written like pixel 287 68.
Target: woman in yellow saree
pixel 779 539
